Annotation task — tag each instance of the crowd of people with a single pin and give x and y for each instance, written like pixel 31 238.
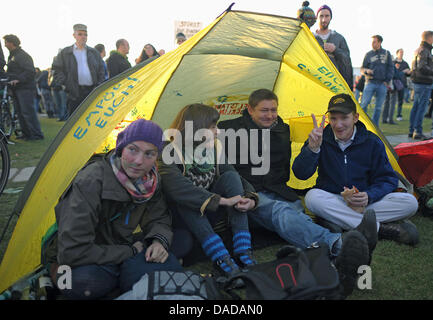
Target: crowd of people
pixel 133 187
pixel 383 77
pixel 76 70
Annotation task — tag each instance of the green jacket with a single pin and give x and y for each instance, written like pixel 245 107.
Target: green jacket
pixel 98 222
pixel 180 189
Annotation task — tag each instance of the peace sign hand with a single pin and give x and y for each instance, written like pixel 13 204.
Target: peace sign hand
pixel 316 135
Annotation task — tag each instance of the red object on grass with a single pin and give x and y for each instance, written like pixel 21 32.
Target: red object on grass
pixel 416 161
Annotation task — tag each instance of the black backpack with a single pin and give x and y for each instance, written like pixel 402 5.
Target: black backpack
pixel 295 275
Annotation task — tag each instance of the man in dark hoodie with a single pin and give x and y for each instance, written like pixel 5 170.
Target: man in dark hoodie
pixel 118 61
pixel 422 78
pixel 334 44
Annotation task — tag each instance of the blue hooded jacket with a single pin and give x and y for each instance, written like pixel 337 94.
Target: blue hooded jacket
pixel 364 164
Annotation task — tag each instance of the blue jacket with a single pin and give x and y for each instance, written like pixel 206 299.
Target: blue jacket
pixel 380 62
pixel 364 164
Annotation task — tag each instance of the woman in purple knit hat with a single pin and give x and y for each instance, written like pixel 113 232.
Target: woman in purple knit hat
pixel 98 216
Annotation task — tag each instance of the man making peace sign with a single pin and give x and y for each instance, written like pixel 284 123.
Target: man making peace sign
pixel 354 175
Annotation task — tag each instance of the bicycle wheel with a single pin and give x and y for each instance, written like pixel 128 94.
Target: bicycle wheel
pixel 5 163
pixel 7 124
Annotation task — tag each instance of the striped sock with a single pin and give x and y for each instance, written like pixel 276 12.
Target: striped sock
pixel 214 248
pixel 241 244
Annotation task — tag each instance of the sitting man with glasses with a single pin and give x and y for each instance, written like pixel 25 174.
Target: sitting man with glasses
pixel 98 216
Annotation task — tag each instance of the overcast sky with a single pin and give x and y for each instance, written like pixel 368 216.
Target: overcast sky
pixel 44 26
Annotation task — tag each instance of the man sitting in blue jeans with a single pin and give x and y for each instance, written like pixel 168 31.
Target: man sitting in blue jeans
pixel 113 196
pixel 378 69
pixel 280 210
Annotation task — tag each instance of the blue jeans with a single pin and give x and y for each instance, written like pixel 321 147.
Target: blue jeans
pixel 420 103
pixel 289 220
pixel 48 102
pixel 389 106
pixel 357 94
pixel 379 90
pixel 228 185
pixel 96 281
pixel 60 101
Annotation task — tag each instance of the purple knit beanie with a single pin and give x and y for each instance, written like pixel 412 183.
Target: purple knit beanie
pixel 324 7
pixel 140 130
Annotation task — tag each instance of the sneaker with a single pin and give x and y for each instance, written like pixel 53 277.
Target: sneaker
pixel 368 228
pixel 245 259
pixel 420 137
pixel 226 266
pixel 410 135
pixel 399 118
pixel 353 254
pixel 405 232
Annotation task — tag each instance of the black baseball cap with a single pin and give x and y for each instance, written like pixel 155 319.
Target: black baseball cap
pixel 342 103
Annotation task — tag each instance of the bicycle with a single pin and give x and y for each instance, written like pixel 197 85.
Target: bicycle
pixel 8 117
pixel 5 161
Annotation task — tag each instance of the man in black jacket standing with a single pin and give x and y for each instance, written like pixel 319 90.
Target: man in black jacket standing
pixel 21 72
pixel 118 61
pixel 422 78
pixel 79 68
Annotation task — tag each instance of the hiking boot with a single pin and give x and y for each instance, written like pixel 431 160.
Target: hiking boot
pixel 368 228
pixel 226 268
pixel 245 259
pixel 353 254
pixel 405 232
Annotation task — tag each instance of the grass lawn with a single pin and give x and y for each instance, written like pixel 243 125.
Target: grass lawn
pixel 399 272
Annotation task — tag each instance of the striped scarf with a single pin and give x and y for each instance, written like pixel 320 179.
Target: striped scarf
pixel 142 189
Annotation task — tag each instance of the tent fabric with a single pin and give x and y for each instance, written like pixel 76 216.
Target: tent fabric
pixel 416 161
pixel 220 66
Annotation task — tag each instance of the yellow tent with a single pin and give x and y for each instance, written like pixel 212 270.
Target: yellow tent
pixel 220 66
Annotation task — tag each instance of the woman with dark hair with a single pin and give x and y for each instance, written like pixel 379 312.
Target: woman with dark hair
pixel 200 182
pixel 149 51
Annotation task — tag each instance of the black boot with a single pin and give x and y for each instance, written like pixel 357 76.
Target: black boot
pixel 353 254
pixel 226 268
pixel 405 232
pixel 368 228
